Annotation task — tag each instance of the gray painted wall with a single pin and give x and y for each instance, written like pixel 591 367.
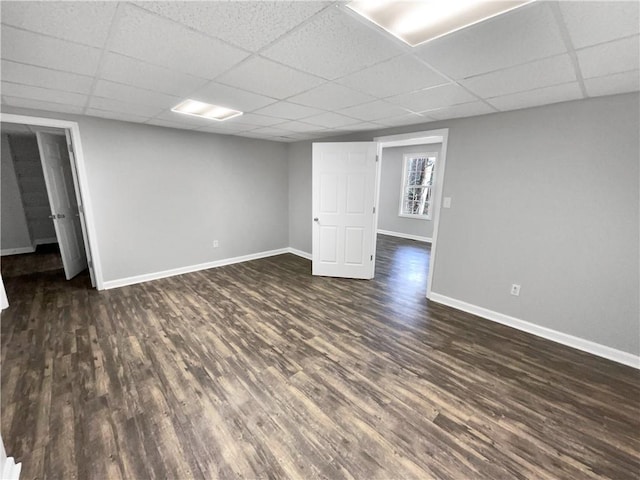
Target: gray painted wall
pixel 161 196
pixel 300 215
pixel 390 186
pixel 14 232
pixel 546 197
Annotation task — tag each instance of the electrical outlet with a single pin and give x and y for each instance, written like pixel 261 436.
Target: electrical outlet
pixel 215 244
pixel 515 289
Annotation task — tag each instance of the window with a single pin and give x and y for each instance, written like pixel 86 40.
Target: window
pixel 417 185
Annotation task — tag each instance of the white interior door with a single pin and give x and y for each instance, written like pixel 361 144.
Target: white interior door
pixel 62 199
pixel 344 180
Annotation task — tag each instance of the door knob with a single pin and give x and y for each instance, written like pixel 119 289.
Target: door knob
pixel 316 219
pixel 52 217
pixel 60 215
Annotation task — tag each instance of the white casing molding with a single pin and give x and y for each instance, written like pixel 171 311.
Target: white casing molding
pixel 11 469
pixel 565 339
pixel 121 282
pixel 405 235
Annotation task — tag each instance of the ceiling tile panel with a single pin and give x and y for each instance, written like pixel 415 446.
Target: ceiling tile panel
pixel 122 116
pixel 82 22
pixel 458 111
pixel 226 127
pixel 41 105
pixel 332 45
pixel 300 127
pixel 256 120
pixel 408 119
pixel 331 96
pixel 288 111
pixel 159 122
pixel 43 94
pixel 538 74
pixel 34 49
pixel 608 58
pixel 613 84
pixel 398 75
pixel 133 72
pixel 156 40
pixel 359 127
pixel 44 77
pixel 238 22
pixel 126 93
pixel 591 22
pixel 269 78
pixel 270 131
pixel 540 96
pixel 516 37
pixel 431 98
pixel 374 111
pixel 331 120
pixel 124 107
pixel 231 97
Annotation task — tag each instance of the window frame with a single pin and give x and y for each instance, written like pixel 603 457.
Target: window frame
pixel 403 187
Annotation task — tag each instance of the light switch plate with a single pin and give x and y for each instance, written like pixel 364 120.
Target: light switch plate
pixel 446 202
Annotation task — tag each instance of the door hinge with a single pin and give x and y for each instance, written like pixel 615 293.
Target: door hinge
pixel 90 263
pixel 374 209
pixel 80 209
pixel 371 258
pixel 377 158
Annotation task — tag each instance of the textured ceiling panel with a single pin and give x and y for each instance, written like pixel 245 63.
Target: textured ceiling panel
pixel 82 22
pixel 331 96
pixel 332 45
pixel 305 70
pixel 608 58
pixel 398 75
pixel 538 74
pixel 431 98
pixel 520 36
pixel 161 42
pixel 269 78
pixel 591 22
pixel 540 96
pixel 34 49
pixel 250 25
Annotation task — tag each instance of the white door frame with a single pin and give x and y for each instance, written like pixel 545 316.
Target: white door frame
pixel 419 138
pixel 83 183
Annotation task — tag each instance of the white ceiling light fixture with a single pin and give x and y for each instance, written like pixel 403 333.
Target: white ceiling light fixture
pixel 416 22
pixel 205 110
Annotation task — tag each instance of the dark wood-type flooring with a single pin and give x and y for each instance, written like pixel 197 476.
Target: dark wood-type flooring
pixel 259 370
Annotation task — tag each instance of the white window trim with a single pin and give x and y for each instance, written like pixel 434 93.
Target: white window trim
pixel 429 216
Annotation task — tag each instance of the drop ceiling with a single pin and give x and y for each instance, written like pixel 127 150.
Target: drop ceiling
pixel 305 70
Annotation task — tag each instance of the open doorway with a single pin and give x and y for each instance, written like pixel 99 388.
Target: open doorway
pixel 410 181
pixel 42 226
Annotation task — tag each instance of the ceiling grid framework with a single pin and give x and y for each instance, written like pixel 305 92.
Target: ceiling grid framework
pixel 305 70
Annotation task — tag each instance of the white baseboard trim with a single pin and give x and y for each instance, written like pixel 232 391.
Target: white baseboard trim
pixel 11 469
pixel 405 235
pixel 300 253
pixel 45 241
pixel 122 282
pixel 565 339
pixel 17 251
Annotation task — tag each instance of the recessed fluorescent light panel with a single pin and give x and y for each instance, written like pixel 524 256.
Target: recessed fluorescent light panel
pixel 205 110
pixel 417 22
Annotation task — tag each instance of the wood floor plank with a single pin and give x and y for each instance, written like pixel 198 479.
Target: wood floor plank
pixel 260 371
